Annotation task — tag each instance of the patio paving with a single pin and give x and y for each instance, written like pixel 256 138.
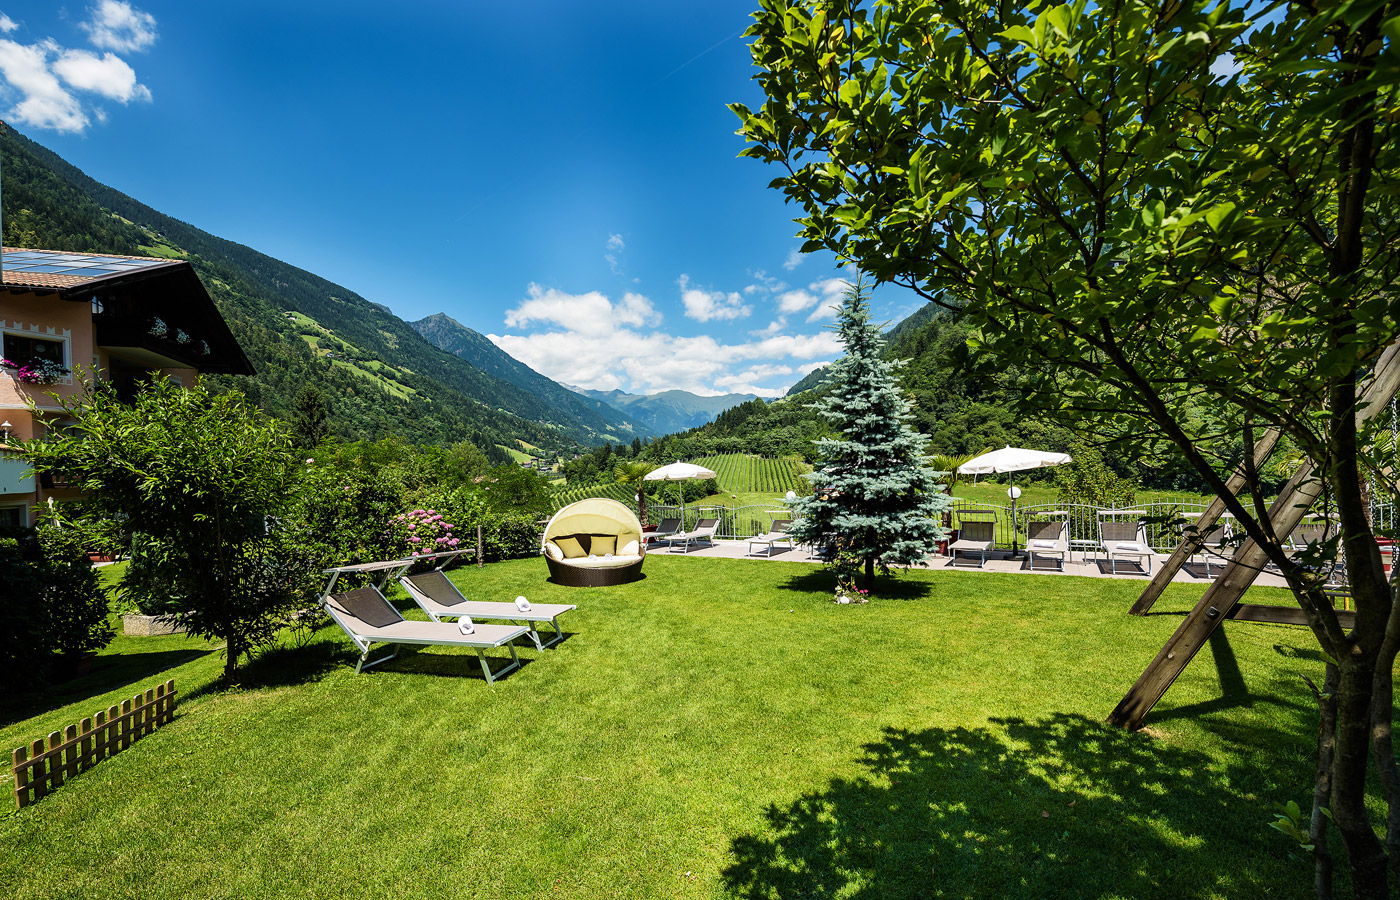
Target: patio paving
pixel 1001 561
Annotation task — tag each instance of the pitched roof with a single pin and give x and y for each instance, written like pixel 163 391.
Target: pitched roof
pixel 55 270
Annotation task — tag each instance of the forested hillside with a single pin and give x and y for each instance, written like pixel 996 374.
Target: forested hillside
pixel 448 334
pixel 384 379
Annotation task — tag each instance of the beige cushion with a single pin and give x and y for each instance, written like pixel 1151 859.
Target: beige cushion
pixel 571 547
pixel 603 544
pixel 553 550
pixel 628 549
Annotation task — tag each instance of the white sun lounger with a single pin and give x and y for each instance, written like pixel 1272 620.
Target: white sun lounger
pixel 368 619
pixel 704 531
pixel 1048 540
pixel 441 599
pixel 1127 540
pixel 974 537
pixel 779 534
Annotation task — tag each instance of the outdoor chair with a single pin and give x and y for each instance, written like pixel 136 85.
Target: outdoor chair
pixel 1126 540
pixel 1216 548
pixel 779 532
pixel 664 528
pixel 440 599
pixel 974 537
pixel 704 531
pixel 594 542
pixel 368 619
pixel 1048 540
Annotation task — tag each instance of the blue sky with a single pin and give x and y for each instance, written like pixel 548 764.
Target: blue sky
pixel 561 176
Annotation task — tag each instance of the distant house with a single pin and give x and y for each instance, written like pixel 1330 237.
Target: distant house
pixel 121 317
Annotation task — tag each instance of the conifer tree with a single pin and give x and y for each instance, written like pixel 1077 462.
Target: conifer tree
pixel 876 502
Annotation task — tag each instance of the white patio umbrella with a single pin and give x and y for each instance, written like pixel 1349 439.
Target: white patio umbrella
pixel 1012 459
pixel 678 472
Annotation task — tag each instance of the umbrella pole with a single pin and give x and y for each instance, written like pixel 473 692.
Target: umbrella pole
pixel 1015 531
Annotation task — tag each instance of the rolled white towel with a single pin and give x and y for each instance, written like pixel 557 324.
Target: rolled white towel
pixel 465 626
pixel 1045 545
pixel 1132 548
pixel 522 604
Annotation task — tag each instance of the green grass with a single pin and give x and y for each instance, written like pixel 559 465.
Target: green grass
pixel 745 473
pixel 717 729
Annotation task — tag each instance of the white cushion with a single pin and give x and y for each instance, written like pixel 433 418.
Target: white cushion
pixel 628 549
pixel 598 562
pixel 553 550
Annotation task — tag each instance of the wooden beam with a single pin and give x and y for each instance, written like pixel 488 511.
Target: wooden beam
pixel 1222 596
pixel 1283 615
pixel 1167 571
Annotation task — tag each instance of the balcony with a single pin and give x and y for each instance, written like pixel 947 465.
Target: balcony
pixel 15 477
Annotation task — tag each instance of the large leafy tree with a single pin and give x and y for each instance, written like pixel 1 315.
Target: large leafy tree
pixel 876 502
pixel 199 475
pixel 1177 218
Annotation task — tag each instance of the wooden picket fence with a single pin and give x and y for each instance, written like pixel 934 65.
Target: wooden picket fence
pixel 41 769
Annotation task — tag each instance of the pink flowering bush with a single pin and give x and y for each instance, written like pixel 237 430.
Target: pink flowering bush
pixel 423 531
pixel 40 371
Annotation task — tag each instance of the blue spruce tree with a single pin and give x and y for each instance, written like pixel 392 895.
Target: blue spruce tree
pixel 877 503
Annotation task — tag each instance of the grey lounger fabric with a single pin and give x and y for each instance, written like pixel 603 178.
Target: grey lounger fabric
pixel 440 599
pixel 368 619
pixel 664 529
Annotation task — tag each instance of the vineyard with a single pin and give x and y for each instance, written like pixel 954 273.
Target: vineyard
pixel 742 473
pixel 622 493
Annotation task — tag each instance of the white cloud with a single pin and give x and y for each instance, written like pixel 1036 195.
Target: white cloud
pixel 615 245
pixel 600 344
pixel 615 242
pixel 706 306
pixel 119 26
pixel 45 83
pixel 44 103
pixel 586 314
pixel 107 75
pixel 831 292
pixel 794 259
pixel 796 301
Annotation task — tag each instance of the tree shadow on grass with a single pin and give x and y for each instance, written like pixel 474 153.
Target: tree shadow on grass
pixel 1063 807
pixel 887 587
pixel 109 673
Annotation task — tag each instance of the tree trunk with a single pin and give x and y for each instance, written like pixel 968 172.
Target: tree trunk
pixel 869 581
pixel 1322 786
pixel 231 654
pixel 1365 853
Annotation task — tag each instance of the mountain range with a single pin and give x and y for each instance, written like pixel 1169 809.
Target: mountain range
pixel 432 381
pixel 668 411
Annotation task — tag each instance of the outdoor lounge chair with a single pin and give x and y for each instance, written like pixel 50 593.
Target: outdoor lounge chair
pixel 974 537
pixel 704 531
pixel 1213 549
pixel 1048 540
pixel 1126 540
pixel 778 533
pixel 665 528
pixel 440 599
pixel 368 619
pixel 594 542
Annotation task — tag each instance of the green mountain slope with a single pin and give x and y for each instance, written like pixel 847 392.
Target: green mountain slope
pixel 385 378
pixel 476 348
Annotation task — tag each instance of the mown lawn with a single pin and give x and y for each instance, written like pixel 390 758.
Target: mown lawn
pixel 718 729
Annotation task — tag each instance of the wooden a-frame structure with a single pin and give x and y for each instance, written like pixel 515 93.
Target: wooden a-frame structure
pixel 1222 598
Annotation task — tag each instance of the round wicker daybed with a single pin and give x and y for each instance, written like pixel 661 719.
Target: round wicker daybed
pixel 594 543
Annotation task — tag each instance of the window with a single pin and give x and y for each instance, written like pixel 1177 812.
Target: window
pixel 14 515
pixel 22 350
